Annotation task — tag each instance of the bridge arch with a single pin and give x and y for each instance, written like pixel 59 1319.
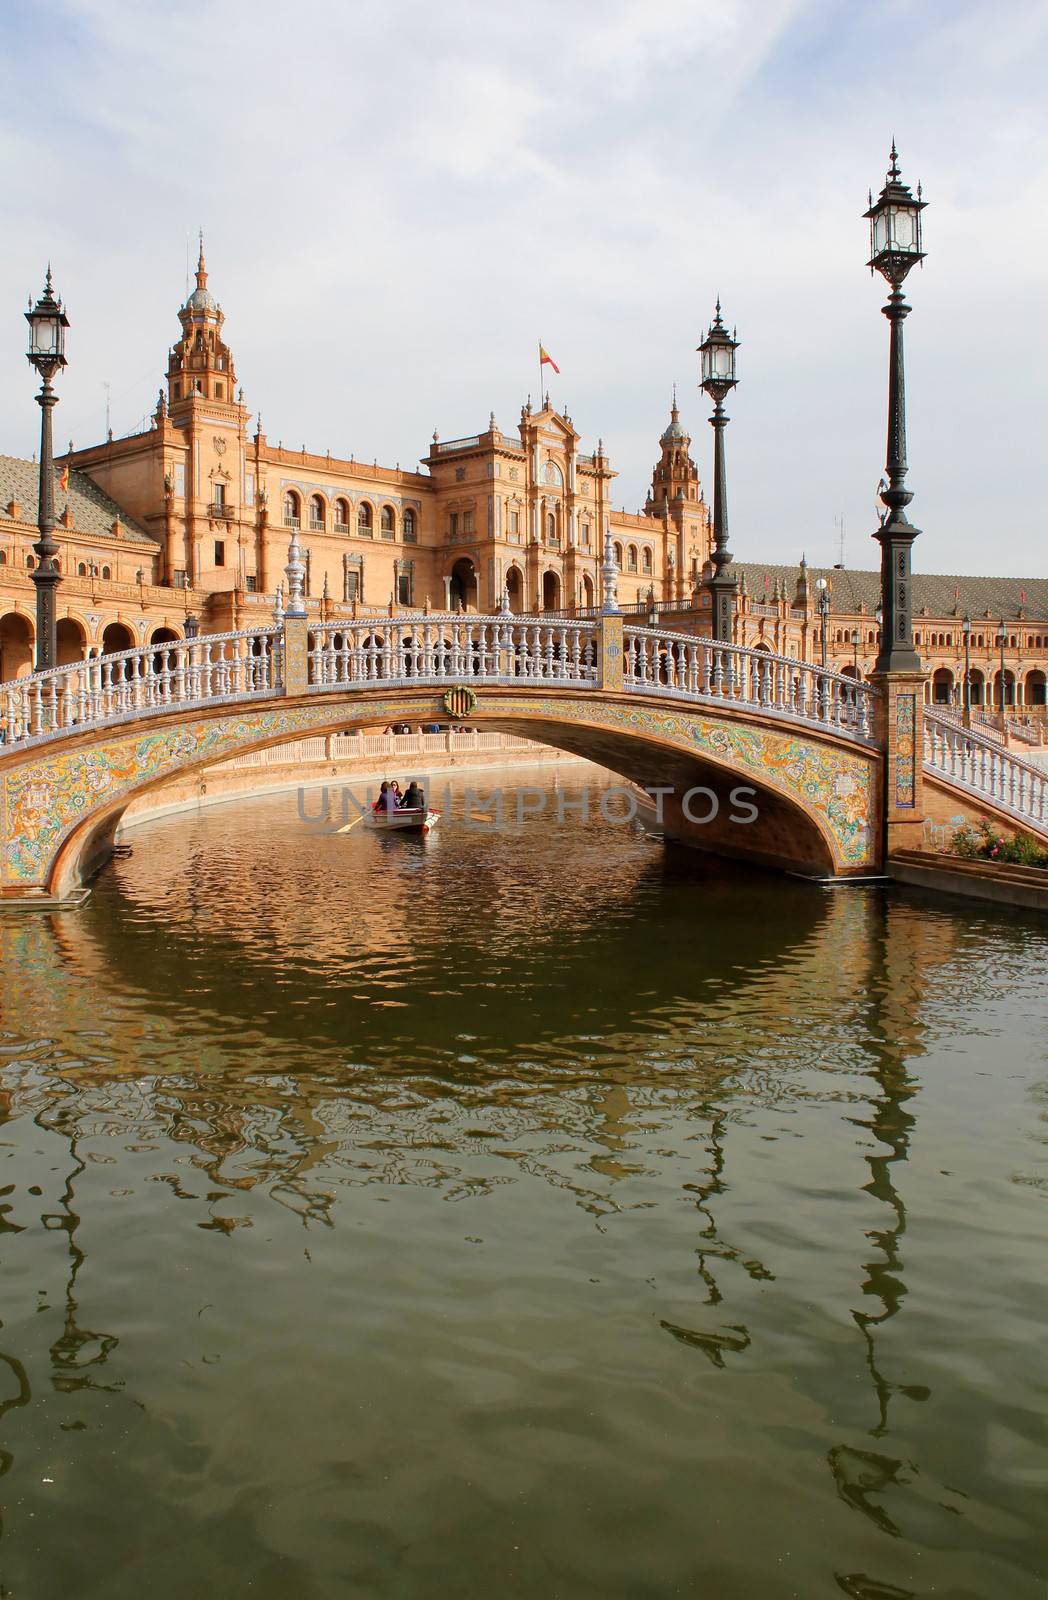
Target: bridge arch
pixel 814 795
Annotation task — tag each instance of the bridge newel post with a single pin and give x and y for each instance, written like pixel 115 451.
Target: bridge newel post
pixel 609 652
pixel 296 655
pixel 899 731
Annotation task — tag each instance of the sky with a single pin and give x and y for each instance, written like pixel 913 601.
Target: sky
pixel 399 200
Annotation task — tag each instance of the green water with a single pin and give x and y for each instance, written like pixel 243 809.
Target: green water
pixel 525 1214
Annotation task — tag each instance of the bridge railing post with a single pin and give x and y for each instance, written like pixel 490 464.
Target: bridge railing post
pixel 609 653
pixel 296 655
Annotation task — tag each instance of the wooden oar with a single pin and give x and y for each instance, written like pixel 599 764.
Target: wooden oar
pixel 348 825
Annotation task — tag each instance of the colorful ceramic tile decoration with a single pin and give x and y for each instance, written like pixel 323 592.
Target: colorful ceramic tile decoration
pixel 905 750
pixel 46 797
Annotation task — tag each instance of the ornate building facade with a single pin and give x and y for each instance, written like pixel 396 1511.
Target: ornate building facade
pixel 191 517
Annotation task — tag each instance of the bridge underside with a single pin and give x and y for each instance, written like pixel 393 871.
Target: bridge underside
pixel 815 794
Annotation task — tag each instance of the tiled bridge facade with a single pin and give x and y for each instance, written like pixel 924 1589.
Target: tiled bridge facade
pixel 670 712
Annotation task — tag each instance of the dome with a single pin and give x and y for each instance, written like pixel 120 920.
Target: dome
pixel 202 300
pixel 674 433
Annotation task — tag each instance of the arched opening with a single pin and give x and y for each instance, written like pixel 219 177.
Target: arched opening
pixel 364 524
pixel 117 637
pixel 70 642
pixel 849 671
pixel 551 528
pixel 789 830
pixel 341 516
pixel 942 686
pixel 631 558
pixel 618 555
pixel 388 522
pixel 1035 688
pixel 316 513
pixel 16 646
pixel 550 591
pixel 463 585
pixel 292 510
pixel 586 592
pixel 515 589
pixel 81 569
pixel 976 686
pixel 646 559
pixel 1009 689
pixel 410 527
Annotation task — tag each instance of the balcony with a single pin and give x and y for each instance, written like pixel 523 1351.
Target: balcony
pixel 341 527
pixel 292 522
pixel 317 524
pixel 219 511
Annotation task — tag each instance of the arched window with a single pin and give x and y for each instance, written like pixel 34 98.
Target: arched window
pixel 341 517
pixel 584 532
pixel 3 558
pixel 107 572
pixel 81 569
pixel 618 555
pixel 30 561
pixel 316 512
pixel 631 558
pixel 364 520
pixel 646 559
pixel 410 530
pixel 292 510
pixel 388 522
pixel 551 527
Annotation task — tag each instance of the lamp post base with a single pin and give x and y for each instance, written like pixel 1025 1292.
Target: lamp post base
pixel 900 731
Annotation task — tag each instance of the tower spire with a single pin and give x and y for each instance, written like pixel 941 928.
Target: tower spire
pixel 201 271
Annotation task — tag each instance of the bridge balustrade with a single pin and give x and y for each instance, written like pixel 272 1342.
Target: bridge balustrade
pixel 977 764
pixel 682 665
pixel 450 649
pixel 131 683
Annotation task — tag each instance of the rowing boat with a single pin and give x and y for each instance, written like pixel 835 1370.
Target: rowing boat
pixel 405 819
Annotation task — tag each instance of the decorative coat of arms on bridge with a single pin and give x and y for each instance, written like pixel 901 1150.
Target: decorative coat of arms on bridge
pixel 460 702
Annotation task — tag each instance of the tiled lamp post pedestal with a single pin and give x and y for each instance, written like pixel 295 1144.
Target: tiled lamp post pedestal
pixel 900 731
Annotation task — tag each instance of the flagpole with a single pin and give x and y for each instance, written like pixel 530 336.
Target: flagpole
pixel 540 375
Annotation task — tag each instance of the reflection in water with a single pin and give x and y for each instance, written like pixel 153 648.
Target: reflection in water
pixel 388 1165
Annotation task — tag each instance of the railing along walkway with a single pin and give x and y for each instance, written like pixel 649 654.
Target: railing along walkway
pixel 985 769
pixel 248 666
pixel 138 683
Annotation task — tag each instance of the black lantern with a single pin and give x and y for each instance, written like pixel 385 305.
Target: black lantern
pixel 192 626
pixel 966 629
pixel 895 227
pixel 47 327
pixel 717 355
pixel 895 245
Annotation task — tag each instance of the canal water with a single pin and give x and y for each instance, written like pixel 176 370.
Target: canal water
pixel 528 1212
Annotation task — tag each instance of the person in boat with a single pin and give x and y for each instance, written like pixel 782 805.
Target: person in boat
pixel 386 801
pixel 414 799
pixel 397 799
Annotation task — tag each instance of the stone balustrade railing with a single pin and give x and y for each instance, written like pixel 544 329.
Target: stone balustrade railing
pixel 688 668
pixel 429 649
pixel 140 682
pixel 985 769
pixel 450 649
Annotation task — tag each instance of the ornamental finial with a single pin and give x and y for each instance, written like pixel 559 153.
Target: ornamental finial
pixel 609 573
pixel 295 573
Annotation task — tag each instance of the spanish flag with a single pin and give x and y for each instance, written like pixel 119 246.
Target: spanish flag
pixel 544 357
pixel 63 482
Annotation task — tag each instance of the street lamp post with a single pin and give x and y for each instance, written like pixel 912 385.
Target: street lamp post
pixel 1002 636
pixel 966 628
pixel 824 613
pixel 717 353
pixel 47 325
pixel 855 653
pixel 895 245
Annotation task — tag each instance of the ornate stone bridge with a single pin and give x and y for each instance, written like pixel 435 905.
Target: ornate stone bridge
pixel 669 711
